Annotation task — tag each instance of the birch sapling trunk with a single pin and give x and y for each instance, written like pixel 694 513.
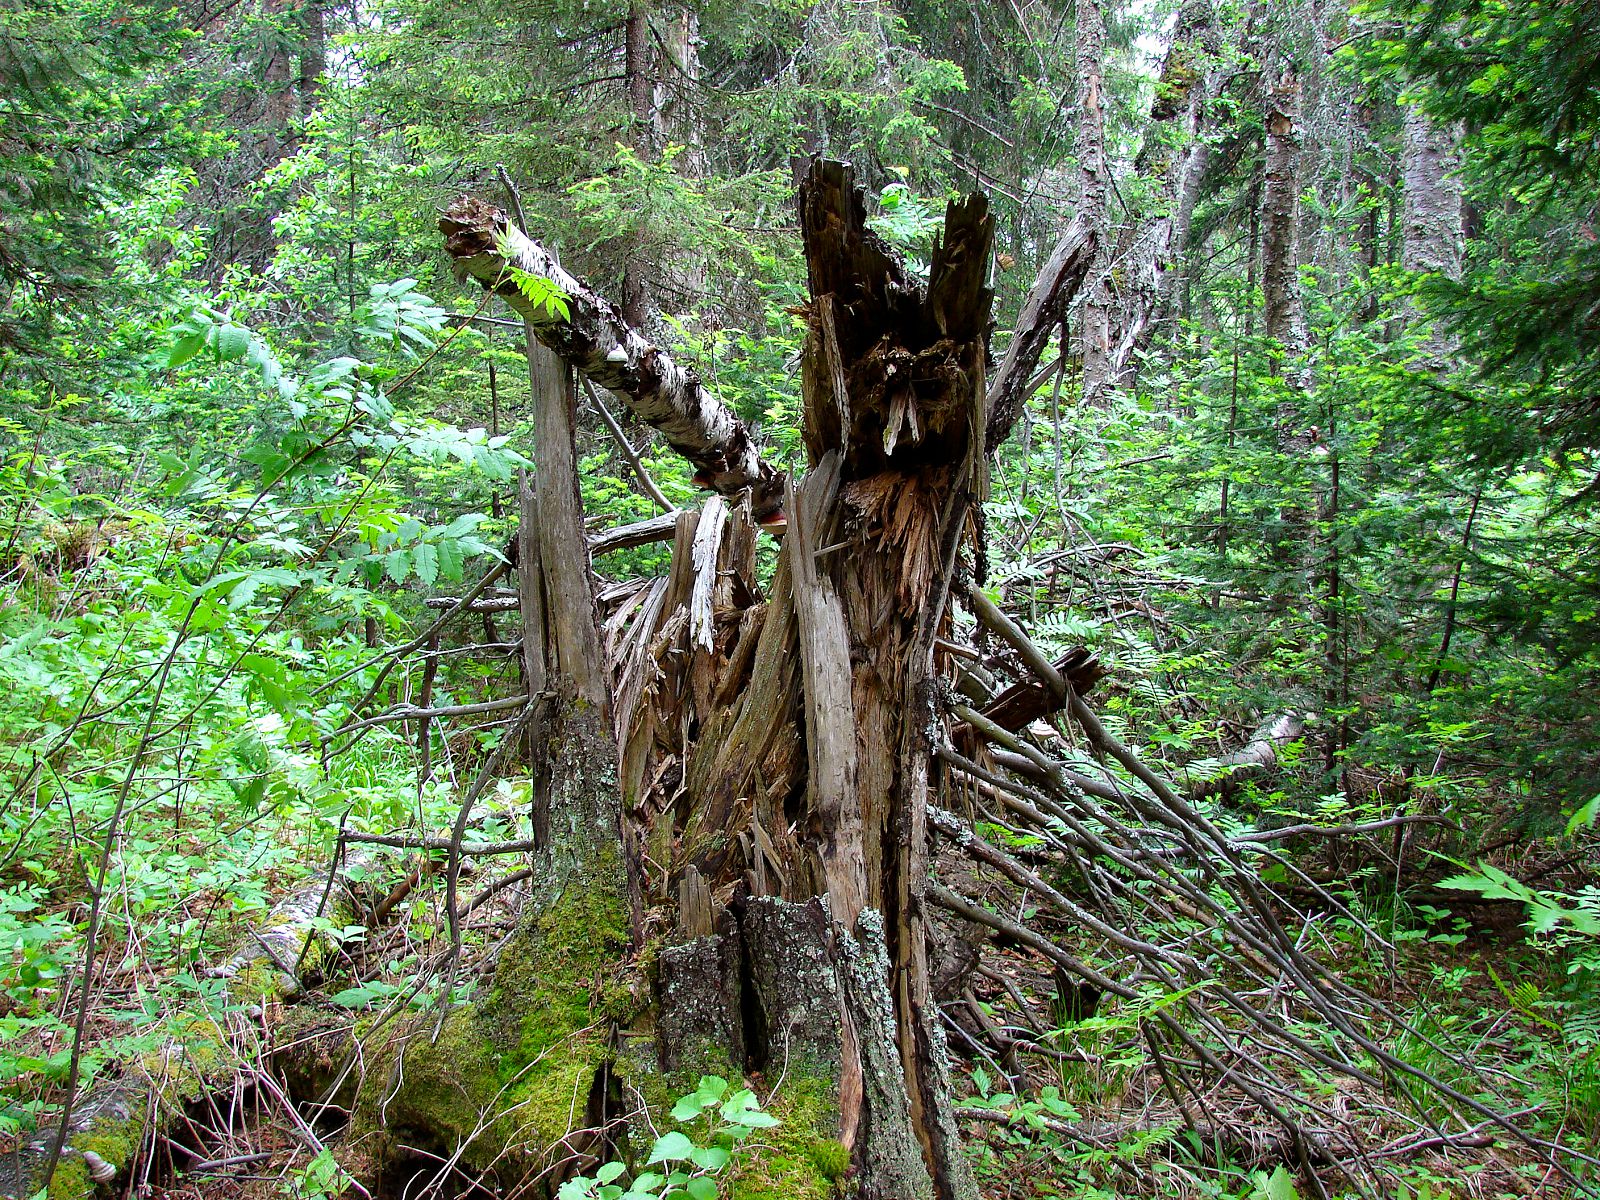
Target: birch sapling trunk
pixel 1173 158
pixel 1431 214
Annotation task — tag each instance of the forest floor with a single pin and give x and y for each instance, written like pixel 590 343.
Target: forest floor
pixel 1110 1132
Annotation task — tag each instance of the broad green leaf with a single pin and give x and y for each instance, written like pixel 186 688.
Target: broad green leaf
pixel 451 559
pixel 397 564
pixel 710 1158
pixel 425 561
pixel 232 342
pixel 1277 1186
pixel 670 1147
pixel 688 1107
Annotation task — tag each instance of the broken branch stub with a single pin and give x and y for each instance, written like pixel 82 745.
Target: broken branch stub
pixel 1059 281
pixel 595 339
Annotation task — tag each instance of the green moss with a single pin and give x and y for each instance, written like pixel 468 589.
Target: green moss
pixel 510 1077
pixel 189 1076
pixel 257 980
pixel 71 1181
pixel 116 1141
pixel 462 1089
pixel 566 968
pixel 831 1158
pixel 802 1159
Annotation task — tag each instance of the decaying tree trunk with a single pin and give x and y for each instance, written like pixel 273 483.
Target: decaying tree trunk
pixel 498 1083
pixel 1089 146
pixel 1173 158
pixel 736 872
pixel 799 849
pixel 776 763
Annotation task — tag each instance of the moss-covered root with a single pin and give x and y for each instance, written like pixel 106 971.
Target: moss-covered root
pixel 506 1082
pixel 801 1159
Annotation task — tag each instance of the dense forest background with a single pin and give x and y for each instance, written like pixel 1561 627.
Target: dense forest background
pixel 1311 460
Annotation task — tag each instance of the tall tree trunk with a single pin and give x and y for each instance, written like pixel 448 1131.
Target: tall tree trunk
pixel 1432 213
pixel 297 55
pixel 277 84
pixel 1284 323
pixel 1173 157
pixel 313 54
pixel 1094 319
pixel 1283 314
pixel 644 137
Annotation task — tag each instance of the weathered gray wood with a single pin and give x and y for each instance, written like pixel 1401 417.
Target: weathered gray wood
pixel 573 636
pixel 530 578
pixel 831 790
pixel 488 604
pixel 703 560
pixel 695 916
pixel 639 533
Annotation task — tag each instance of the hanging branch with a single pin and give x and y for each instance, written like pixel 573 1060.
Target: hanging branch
pixel 1059 281
pixel 599 343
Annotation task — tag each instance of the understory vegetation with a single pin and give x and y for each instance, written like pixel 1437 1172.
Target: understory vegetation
pixel 1326 524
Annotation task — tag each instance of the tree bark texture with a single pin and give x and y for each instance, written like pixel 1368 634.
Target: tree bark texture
pixel 1432 189
pixel 1173 157
pixel 1280 216
pixel 1095 319
pixel 1431 216
pixel 1284 323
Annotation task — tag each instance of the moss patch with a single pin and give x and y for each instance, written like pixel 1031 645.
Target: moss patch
pixel 71 1180
pixel 802 1158
pixel 510 1077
